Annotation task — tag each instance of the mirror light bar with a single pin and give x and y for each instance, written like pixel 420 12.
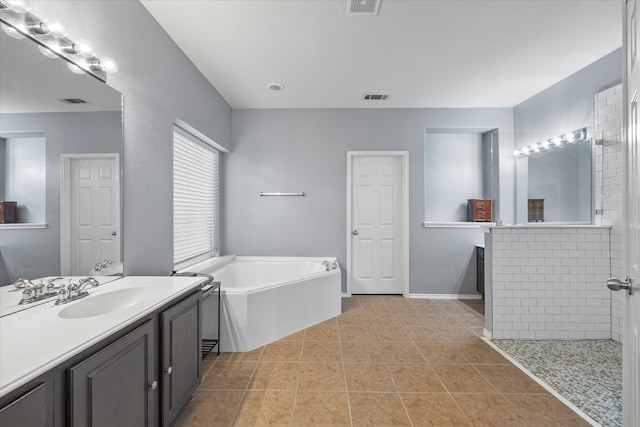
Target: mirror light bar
pixel 51 35
pixel 558 141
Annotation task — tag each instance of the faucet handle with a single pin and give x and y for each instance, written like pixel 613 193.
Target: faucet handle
pixel 62 295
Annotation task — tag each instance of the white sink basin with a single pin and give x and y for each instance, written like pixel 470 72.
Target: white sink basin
pixel 108 302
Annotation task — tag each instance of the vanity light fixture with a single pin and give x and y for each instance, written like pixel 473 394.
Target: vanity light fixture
pixel 558 141
pixel 51 35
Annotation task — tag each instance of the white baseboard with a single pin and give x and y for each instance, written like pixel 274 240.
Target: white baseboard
pixel 487 334
pixel 445 296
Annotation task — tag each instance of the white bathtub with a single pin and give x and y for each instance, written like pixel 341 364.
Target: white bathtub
pixel 267 298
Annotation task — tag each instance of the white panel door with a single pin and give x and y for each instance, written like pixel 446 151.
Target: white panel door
pixel 376 225
pixel 631 339
pixel 94 213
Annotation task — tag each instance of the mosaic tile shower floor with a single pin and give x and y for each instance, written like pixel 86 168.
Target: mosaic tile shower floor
pixel 588 373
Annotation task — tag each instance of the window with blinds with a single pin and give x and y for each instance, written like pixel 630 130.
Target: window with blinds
pixel 195 200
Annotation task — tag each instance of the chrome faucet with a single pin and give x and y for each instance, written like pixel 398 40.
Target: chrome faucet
pixel 32 293
pixel 330 265
pixel 75 291
pixel 99 266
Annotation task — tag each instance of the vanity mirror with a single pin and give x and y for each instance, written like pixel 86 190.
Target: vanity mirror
pixel 554 181
pixel 60 159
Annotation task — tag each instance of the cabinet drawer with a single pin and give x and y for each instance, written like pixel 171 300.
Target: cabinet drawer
pixel 33 409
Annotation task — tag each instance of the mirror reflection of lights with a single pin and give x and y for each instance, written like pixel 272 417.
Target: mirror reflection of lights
pixel 558 141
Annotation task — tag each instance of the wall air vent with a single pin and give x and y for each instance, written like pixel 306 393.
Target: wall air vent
pixel 363 7
pixel 73 101
pixel 374 97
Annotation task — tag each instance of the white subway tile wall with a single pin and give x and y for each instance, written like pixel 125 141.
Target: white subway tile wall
pixel 608 179
pixel 549 283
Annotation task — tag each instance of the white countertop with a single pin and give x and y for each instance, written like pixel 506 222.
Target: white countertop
pixel 36 340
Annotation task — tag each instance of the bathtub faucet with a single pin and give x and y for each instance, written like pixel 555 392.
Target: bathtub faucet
pixel 330 265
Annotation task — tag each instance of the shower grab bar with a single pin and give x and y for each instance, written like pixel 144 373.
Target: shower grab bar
pixel 301 194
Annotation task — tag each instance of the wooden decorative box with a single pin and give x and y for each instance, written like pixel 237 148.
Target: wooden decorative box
pixel 479 210
pixel 8 212
pixel 536 210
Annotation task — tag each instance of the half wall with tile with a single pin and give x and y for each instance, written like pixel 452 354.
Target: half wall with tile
pixel 548 282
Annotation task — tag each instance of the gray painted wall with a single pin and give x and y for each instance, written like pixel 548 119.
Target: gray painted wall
pixel 306 150
pixel 159 85
pixel 25 177
pixel 454 172
pixel 36 252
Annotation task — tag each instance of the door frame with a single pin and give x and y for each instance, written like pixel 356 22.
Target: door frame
pixel 404 205
pixel 65 203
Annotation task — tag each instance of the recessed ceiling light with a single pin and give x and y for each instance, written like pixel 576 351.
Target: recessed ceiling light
pixel 276 86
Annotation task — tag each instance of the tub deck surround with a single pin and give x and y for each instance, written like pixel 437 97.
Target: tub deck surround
pixel 36 340
pixel 267 298
pixel 548 282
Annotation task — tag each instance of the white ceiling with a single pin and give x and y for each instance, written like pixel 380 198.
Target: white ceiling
pixel 423 53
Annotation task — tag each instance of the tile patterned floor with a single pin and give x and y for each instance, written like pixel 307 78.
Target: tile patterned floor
pixel 588 373
pixel 385 361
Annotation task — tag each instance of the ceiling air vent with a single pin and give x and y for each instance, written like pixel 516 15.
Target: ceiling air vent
pixel 373 97
pixel 363 7
pixel 73 101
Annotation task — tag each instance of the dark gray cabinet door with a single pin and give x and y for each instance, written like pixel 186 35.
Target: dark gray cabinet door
pixel 115 386
pixel 34 409
pixel 181 355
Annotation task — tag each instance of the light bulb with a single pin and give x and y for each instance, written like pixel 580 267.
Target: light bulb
pixel 18 6
pixel 516 152
pixel 108 65
pixel 12 32
pixel 56 29
pixel 524 150
pixel 569 137
pixel 534 148
pixel 545 144
pixel 83 48
pixel 47 52
pixel 76 69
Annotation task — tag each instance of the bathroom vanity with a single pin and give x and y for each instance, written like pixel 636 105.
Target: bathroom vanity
pixel 127 354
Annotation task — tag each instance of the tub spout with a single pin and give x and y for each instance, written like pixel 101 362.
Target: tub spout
pixel 330 265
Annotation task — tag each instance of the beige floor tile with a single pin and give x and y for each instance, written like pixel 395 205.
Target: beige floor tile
pixel 462 379
pixel 416 378
pixel 509 379
pixel 321 409
pixel 275 376
pixel 282 351
pixel 423 333
pixel 368 377
pixel 229 376
pixel 352 318
pixel 433 410
pixel 391 352
pixel 479 352
pixel 377 409
pixel 390 333
pixel 247 356
pixel 355 333
pixel 211 409
pixel 320 376
pixel 544 410
pixel 266 408
pixel 360 351
pixel 489 410
pixel 442 352
pixel 322 332
pixel 321 351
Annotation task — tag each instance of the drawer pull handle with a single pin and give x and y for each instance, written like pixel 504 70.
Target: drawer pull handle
pixel 169 370
pixel 153 385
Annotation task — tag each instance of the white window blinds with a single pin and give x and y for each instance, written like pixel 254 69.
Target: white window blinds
pixel 195 200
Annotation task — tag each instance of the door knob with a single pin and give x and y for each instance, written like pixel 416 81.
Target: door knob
pixel 169 370
pixel 153 385
pixel 617 284
pixel 354 232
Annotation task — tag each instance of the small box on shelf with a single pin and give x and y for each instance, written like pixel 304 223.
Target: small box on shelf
pixel 536 210
pixel 479 210
pixel 8 212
